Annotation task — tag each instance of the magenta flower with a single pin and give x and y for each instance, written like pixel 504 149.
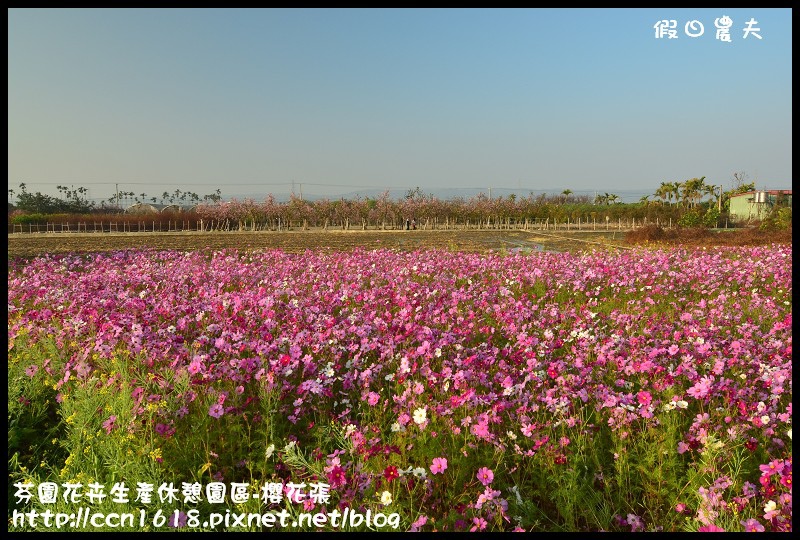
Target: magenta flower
pixel 439 465
pixel 336 477
pixel 644 398
pixel 773 467
pixel 710 528
pixel 485 475
pixel 108 425
pixel 216 410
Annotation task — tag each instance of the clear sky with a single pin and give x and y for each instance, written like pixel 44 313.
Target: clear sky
pixel 249 100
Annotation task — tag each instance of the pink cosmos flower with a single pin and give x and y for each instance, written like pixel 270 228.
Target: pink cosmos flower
pixel 480 524
pixel 108 425
pixel 527 429
pixel 701 388
pixel 439 465
pixel 485 475
pixel 195 367
pixel 421 520
pixel 216 410
pixel 710 528
pixel 480 430
pixel 636 523
pixel 752 525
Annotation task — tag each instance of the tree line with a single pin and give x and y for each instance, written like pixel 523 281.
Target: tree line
pixel 692 202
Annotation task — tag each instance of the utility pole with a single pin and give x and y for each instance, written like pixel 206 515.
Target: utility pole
pixel 117 188
pixel 490 193
pixel 301 191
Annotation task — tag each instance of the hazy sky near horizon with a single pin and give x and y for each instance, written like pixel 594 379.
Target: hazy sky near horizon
pixel 249 100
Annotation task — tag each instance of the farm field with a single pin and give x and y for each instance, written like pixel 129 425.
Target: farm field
pixel 471 241
pixel 465 380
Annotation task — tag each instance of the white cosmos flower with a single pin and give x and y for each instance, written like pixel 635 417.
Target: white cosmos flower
pixel 420 415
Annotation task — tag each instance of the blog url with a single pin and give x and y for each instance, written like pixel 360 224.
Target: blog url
pixel 86 518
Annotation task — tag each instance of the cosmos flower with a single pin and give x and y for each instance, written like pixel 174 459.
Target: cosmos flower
pixel 485 475
pixel 216 410
pixel 439 465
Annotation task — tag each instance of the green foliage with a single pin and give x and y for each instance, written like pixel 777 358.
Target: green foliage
pixel 780 218
pixel 25 219
pixel 74 201
pixel 711 217
pixel 692 218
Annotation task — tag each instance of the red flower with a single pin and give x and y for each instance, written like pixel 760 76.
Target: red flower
pixel 390 473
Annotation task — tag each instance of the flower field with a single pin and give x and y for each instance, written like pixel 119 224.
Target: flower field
pixel 648 390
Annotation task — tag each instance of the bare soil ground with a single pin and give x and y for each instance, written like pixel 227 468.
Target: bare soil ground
pixel 475 241
pixel 472 241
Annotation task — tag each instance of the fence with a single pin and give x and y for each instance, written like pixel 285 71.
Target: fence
pixel 143 226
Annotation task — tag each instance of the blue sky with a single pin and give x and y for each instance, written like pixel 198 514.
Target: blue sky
pixel 340 100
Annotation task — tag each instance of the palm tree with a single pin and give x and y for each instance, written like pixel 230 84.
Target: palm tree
pixel 674 190
pixel 711 190
pixel 663 191
pixel 566 193
pixel 693 190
